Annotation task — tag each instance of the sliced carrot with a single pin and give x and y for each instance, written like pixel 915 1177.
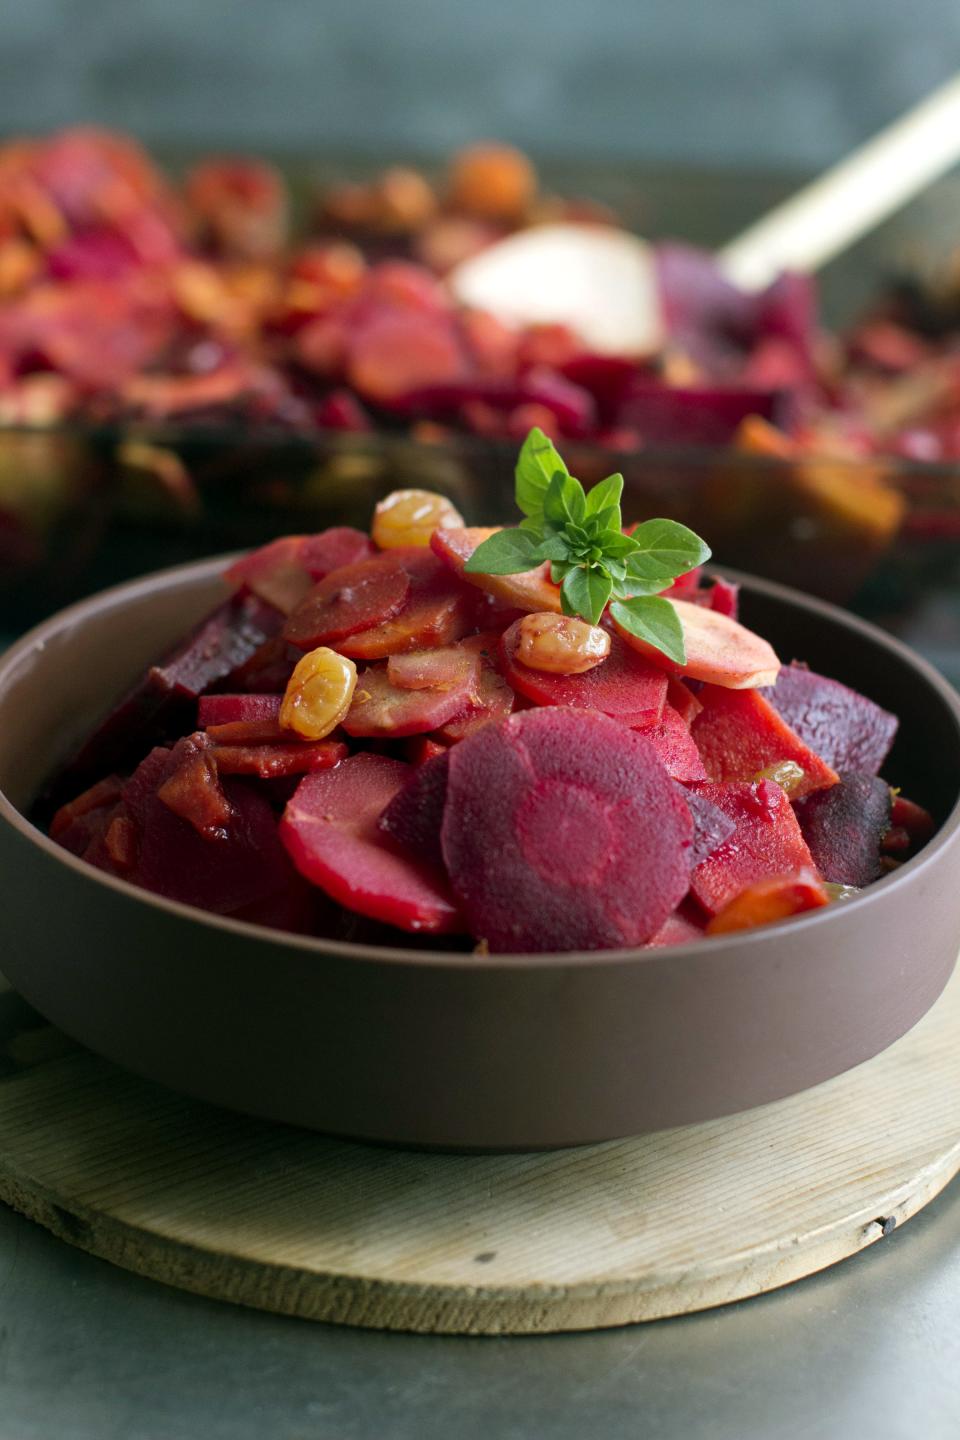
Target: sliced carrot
pixel 768 900
pixel 718 649
pixel 532 590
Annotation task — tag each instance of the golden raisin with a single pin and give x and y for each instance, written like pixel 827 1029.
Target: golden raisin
pixel 318 693
pixel 785 773
pixel 560 644
pixel 409 517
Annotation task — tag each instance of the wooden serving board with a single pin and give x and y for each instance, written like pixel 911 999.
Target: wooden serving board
pixel 289 1221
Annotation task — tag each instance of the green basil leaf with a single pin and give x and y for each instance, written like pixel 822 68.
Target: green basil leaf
pixel 537 464
pixel 653 619
pixel 670 546
pixel 564 503
pixel 644 576
pixel 604 520
pixel 509 552
pixel 617 544
pixel 553 547
pixel 586 592
pixel 535 526
pixel 604 495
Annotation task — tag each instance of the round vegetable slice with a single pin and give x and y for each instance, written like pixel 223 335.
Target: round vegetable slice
pixel 562 831
pixel 330 830
pixel 353 598
pixel 438 610
pixel 531 591
pixel 718 649
pixel 383 710
pixel 625 686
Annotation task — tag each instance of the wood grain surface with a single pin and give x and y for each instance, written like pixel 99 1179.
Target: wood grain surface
pixel 293 1222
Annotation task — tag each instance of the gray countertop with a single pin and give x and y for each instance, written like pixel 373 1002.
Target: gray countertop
pixel 870 1348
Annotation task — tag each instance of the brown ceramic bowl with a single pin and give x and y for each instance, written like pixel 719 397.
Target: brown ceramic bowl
pixel 421 1047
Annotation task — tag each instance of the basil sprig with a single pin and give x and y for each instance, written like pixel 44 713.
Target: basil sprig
pixel 580 533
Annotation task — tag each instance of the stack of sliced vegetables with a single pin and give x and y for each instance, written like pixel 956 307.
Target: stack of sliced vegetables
pixel 555 737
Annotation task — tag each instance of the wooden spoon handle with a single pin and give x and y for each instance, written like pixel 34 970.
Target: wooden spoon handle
pixel 837 209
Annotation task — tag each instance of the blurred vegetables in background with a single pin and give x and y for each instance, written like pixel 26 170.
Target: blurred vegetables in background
pixel 205 363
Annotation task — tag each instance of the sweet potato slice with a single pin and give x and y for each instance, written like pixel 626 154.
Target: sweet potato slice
pixel 383 710
pixel 624 686
pixel 845 827
pixel 351 599
pixel 739 734
pixel 530 591
pixel 330 829
pixel 562 830
pixel 766 842
pixel 846 729
pixel 718 649
pixel 766 901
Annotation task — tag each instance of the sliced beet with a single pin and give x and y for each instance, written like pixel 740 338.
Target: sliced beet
pixel 194 793
pixel 675 745
pixel 624 686
pixel 104 794
pixel 438 610
pixel 711 826
pixel 739 734
pixel 677 929
pixel 683 700
pixel 844 828
pixel 563 831
pixel 228 709
pixel 383 710
pixel 414 816
pixel 330 829
pixel 332 549
pixel 766 842
pixel 161 704
pixel 351 599
pixel 273 761
pixel 245 863
pixel 251 732
pixel 846 729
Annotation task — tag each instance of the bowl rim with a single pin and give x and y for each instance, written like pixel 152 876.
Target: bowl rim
pixel 173 577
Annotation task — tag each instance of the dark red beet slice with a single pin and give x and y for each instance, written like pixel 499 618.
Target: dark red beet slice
pixel 332 549
pixel 228 709
pixel 104 794
pixel 694 414
pixel 330 829
pixel 415 814
pixel 353 598
pixel 271 761
pixel 739 734
pixel 439 609
pixel 846 729
pixel 251 732
pixel 711 827
pixel 265 673
pixel 845 826
pixel 421 748
pixel 383 710
pixel 625 686
pixel 675 745
pixel 244 865
pixel 677 929
pixel 563 831
pixel 766 843
pixel 161 704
